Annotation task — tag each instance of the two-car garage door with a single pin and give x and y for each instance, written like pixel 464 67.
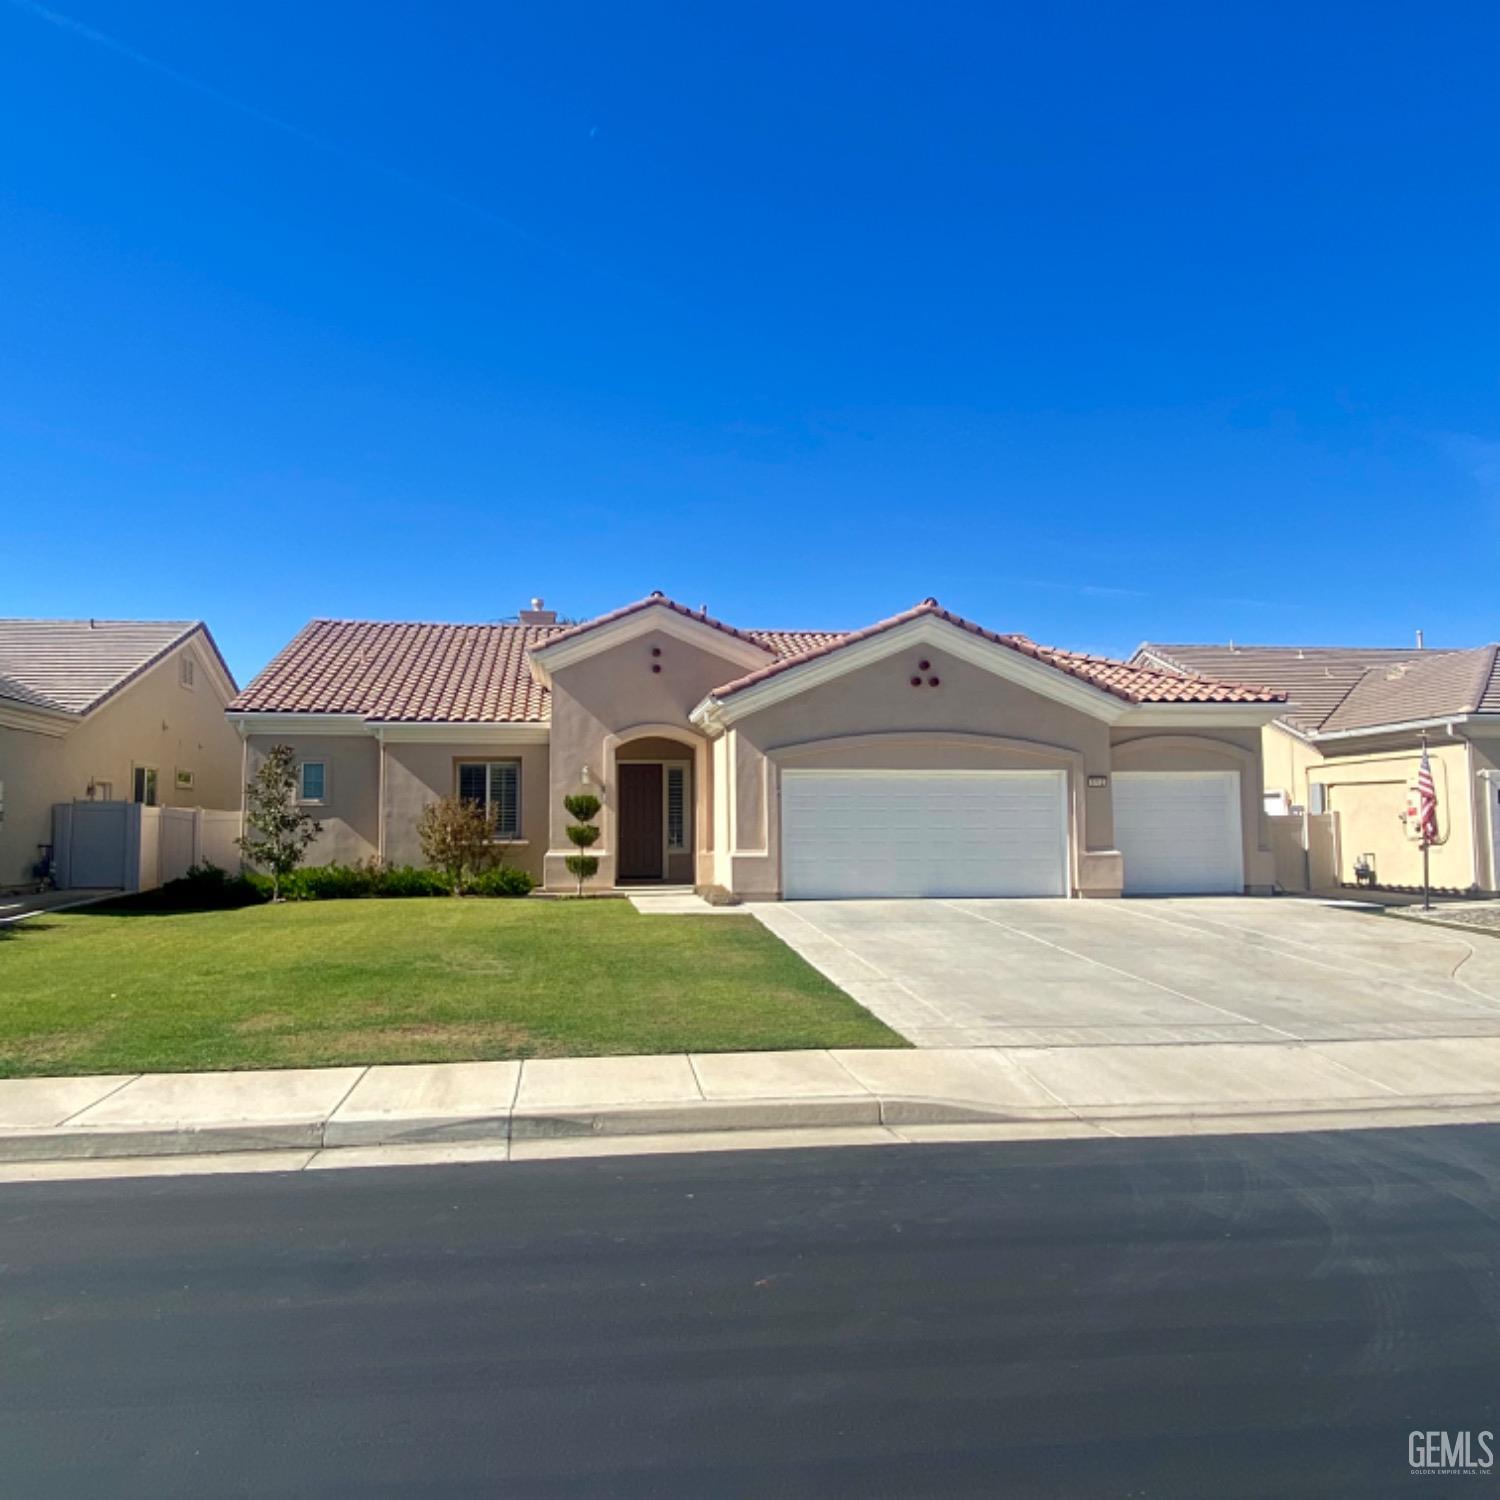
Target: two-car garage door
pixel 999 833
pixel 924 833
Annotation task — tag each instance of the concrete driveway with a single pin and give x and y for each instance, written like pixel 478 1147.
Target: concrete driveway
pixel 1096 973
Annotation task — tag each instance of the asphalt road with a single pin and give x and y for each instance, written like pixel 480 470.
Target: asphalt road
pixel 1243 1316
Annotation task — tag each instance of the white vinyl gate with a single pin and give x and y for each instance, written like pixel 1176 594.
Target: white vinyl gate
pixel 923 833
pixel 128 846
pixel 95 853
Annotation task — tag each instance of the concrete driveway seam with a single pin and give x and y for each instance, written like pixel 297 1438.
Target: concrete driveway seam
pixel 1339 968
pixel 1099 963
pixel 828 937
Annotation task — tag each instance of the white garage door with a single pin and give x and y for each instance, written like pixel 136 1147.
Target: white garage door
pixel 923 833
pixel 1179 832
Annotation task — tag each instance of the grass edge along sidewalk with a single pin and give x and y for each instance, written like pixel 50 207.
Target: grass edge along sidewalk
pixel 320 984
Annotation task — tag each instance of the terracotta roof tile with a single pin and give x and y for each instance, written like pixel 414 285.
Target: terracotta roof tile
pixel 1135 684
pixel 425 673
pixel 657 600
pixel 404 672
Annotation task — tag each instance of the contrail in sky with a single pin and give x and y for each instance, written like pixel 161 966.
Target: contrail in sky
pixel 275 122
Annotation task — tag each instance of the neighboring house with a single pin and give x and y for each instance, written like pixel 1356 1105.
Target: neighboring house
pixel 108 710
pixel 1349 742
pixel 922 756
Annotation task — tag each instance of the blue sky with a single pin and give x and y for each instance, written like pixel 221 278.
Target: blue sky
pixel 1098 322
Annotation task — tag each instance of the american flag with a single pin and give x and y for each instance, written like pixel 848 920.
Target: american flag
pixel 1426 803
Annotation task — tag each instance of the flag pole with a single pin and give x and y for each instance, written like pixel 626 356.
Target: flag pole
pixel 1426 849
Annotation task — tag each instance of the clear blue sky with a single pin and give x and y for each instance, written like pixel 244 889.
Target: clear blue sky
pixel 1098 322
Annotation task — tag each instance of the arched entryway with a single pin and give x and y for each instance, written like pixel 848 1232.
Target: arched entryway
pixel 655 799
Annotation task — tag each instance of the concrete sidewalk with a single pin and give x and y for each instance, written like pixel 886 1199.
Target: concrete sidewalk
pixel 1032 1091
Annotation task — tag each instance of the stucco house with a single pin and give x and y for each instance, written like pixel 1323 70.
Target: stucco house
pixel 921 756
pixel 1348 742
pixel 108 710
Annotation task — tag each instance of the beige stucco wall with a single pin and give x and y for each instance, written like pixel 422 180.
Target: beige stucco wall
pixel 1368 790
pixel 152 722
pixel 1286 760
pixel 873 718
pixel 350 815
pixel 419 773
pixel 1486 764
pixel 1239 750
pixel 603 703
pixel 415 773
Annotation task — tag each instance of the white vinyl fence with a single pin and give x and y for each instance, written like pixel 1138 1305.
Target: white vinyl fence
pixel 128 846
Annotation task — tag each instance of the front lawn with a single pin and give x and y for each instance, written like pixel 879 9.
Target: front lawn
pixel 434 980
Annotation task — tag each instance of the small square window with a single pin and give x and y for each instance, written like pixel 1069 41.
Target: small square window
pixel 312 781
pixel 184 781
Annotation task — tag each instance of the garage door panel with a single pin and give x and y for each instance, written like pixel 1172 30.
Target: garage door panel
pixel 914 833
pixel 1179 832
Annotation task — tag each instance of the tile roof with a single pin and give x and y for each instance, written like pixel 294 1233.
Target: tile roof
pixel 657 600
pixel 424 673
pixel 1437 683
pixel 72 666
pixel 1133 683
pixel 1334 688
pixel 404 671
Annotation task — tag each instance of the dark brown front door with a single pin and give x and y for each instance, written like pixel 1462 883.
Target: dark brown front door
pixel 642 835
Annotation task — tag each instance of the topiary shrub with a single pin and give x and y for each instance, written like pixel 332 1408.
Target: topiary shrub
pixel 583 834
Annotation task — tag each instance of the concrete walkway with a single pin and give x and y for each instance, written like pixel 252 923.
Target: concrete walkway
pixel 16 906
pixel 1031 1091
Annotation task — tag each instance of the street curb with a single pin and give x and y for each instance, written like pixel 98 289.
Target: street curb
pixel 719 1116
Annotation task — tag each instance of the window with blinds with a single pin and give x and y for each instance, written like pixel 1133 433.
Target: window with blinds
pixel 677 809
pixel 496 786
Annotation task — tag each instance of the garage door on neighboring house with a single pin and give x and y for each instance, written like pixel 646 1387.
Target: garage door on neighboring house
pixel 923 833
pixel 1179 832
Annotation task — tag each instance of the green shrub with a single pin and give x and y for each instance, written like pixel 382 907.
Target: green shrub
pixel 374 880
pixel 504 881
pixel 203 888
pixel 411 880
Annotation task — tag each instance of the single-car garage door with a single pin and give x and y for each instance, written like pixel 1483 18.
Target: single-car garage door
pixel 923 833
pixel 1179 832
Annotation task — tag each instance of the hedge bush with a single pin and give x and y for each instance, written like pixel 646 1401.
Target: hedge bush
pixel 504 880
pixel 202 888
pixel 363 881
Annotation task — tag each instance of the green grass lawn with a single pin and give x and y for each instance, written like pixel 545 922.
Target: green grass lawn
pixel 436 980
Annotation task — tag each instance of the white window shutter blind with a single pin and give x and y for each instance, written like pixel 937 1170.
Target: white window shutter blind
pixel 677 807
pixel 505 798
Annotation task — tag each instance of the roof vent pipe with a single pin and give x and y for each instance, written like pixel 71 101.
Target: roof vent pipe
pixel 1419 640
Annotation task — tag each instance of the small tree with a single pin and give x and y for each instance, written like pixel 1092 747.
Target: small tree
pixel 583 834
pixel 458 838
pixel 277 830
